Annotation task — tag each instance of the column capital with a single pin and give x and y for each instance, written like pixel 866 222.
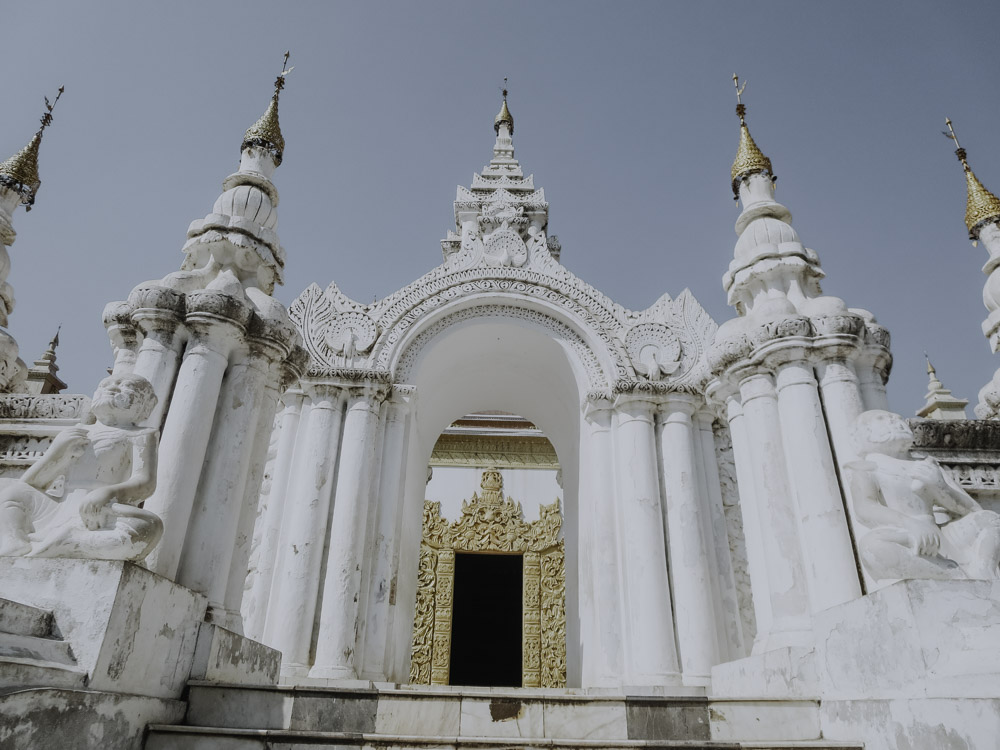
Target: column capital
pixel 373 393
pixel 788 351
pixel 322 395
pixel 678 403
pixel 636 405
pixel 757 385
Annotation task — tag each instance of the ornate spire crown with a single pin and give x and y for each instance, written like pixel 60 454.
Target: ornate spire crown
pixel 749 159
pixel 20 172
pixel 266 132
pixel 504 114
pixel 981 206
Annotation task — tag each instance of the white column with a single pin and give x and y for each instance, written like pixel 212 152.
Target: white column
pixel 843 404
pixel 298 569
pixel 869 370
pixel 751 513
pixel 255 613
pixel 786 577
pixel 650 648
pixel 606 667
pixel 729 627
pixel 186 433
pixel 831 571
pixel 239 566
pixel 337 634
pixel 159 315
pixel 123 335
pixel 381 597
pixel 690 567
pixel 215 517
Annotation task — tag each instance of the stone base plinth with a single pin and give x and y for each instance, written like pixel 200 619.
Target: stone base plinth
pixel 912 666
pixel 782 673
pixel 132 631
pixel 227 657
pixel 914 723
pixel 912 639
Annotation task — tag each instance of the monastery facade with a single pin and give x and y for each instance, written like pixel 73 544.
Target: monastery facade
pixel 493 504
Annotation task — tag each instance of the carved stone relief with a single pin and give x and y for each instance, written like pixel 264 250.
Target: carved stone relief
pixel 489 523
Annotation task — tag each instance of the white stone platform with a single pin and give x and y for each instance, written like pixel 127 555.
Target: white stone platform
pixel 391 716
pixel 91 652
pixel 912 666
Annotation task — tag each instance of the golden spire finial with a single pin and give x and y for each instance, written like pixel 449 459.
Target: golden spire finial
pixel 20 172
pixel 266 132
pixel 749 159
pixel 981 206
pixel 504 115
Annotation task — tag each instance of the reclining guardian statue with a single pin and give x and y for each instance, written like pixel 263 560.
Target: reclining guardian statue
pixel 923 525
pixel 80 498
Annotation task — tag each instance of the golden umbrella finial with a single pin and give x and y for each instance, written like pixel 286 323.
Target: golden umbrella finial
pixel 504 115
pixel 749 159
pixel 266 132
pixel 981 206
pixel 20 172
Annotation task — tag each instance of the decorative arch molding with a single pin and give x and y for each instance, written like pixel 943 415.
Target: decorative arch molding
pixel 410 350
pixel 600 320
pixel 661 348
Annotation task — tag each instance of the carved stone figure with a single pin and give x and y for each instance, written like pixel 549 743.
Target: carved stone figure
pixel 899 497
pixel 79 499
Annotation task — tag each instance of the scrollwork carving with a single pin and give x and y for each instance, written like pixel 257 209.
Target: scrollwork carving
pixel 49 406
pixel 491 523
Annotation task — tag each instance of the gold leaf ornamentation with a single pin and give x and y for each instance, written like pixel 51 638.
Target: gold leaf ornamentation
pixel 490 523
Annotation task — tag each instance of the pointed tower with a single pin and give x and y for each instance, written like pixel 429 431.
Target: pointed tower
pixel 982 220
pixel 42 378
pixel 501 218
pixel 939 403
pixel 793 370
pixel 219 350
pixel 19 183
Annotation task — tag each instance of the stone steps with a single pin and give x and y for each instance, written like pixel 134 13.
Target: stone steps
pixel 31 654
pixel 391 716
pixel 162 737
pixel 23 619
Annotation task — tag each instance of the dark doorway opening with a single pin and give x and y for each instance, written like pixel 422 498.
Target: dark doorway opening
pixel 486 621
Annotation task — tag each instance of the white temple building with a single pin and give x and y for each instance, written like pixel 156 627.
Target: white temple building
pixel 494 504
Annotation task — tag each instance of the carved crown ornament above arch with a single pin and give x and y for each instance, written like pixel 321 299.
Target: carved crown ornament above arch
pixel 659 349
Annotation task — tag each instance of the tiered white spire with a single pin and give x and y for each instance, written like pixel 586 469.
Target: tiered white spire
pixel 501 197
pixel 940 404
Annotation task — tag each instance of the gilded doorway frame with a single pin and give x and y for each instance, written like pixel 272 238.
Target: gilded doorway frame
pixel 492 524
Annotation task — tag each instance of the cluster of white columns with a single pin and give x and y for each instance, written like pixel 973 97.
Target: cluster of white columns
pixel 791 406
pixel 218 367
pixel 659 575
pixel 327 557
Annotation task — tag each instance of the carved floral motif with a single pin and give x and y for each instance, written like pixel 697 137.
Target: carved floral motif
pixel 490 523
pixel 49 406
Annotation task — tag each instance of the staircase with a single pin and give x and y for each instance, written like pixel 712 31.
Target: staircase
pixel 231 717
pixel 31 651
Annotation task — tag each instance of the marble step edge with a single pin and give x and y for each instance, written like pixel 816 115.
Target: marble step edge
pixel 573 695
pixel 309 737
pixel 23 619
pixel 17 674
pixel 35 648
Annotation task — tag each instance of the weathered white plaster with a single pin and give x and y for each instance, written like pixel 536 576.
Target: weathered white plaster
pixel 132 631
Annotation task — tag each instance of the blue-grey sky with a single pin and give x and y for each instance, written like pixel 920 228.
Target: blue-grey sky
pixel 624 113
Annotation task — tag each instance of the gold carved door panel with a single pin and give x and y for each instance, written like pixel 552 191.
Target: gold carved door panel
pixel 492 524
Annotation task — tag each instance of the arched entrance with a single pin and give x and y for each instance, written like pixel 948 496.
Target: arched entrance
pixel 511 363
